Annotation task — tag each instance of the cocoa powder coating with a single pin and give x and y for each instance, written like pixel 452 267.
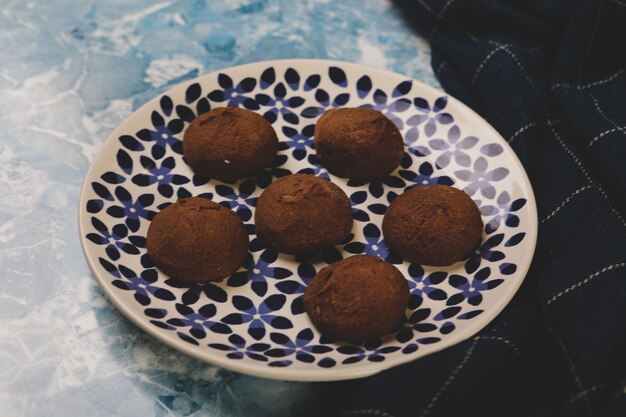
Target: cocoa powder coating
pixel 358 298
pixel 229 143
pixel 197 240
pixel 358 143
pixel 433 225
pixel 300 214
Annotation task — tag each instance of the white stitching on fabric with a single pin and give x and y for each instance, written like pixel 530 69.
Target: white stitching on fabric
pixel 440 67
pixel 604 116
pixel 593 35
pixel 619 3
pixel 558 138
pixel 521 67
pixel 482 64
pixel 570 153
pixel 450 378
pixel 430 10
pixel 528 126
pixel 506 341
pixel 604 81
pixel 593 84
pixel 550 123
pixel 443 10
pixel 572 367
pixel 586 174
pixel 369 412
pixel 583 282
pixel 563 85
pixel 603 134
pixel 583 394
pixel 567 200
pixel 619 216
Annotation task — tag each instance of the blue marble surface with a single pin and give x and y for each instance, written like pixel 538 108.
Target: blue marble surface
pixel 70 72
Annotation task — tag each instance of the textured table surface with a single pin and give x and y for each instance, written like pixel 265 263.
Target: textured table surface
pixel 70 72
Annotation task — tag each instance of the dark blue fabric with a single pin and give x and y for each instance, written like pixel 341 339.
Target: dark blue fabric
pixel 550 76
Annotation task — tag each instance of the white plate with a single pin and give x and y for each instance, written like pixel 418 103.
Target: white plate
pixel 253 322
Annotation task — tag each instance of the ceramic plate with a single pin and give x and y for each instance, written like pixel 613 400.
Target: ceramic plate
pixel 254 322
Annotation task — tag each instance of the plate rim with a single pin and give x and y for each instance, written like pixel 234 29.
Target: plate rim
pixel 322 374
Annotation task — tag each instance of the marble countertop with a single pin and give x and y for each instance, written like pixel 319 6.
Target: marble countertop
pixel 70 72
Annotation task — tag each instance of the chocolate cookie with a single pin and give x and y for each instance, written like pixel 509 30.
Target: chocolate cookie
pixel 300 214
pixel 356 299
pixel 433 225
pixel 197 240
pixel 358 143
pixel 229 143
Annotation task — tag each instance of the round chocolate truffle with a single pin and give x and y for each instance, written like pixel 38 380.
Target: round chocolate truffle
pixel 229 143
pixel 433 225
pixel 197 240
pixel 300 214
pixel 358 143
pixel 358 298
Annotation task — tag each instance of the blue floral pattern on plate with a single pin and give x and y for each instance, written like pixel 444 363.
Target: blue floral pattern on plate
pixel 254 321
